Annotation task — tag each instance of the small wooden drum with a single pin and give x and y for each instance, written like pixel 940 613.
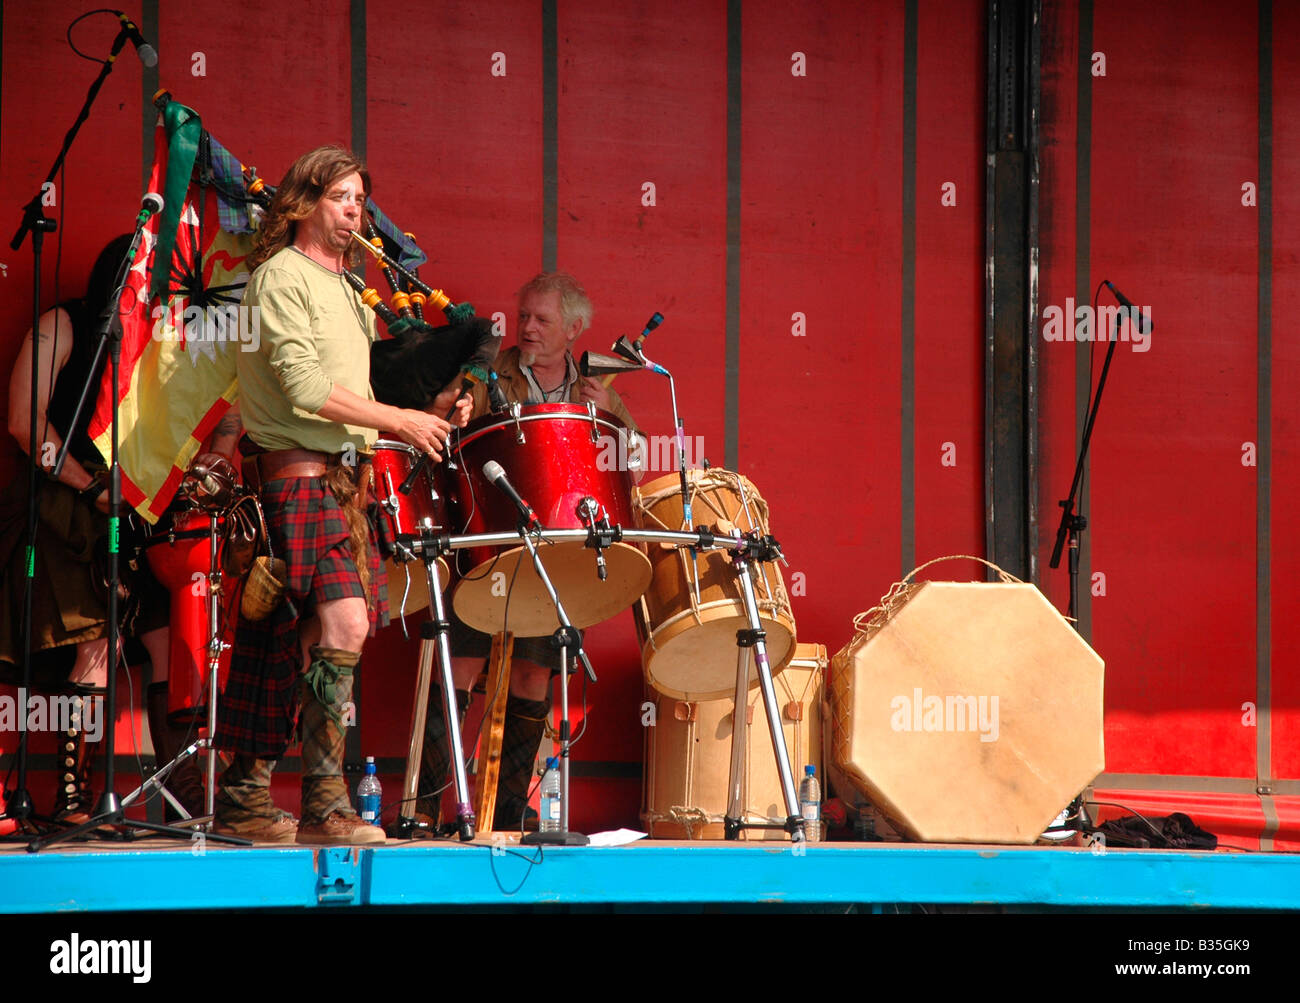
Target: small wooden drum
pixel 688 755
pixel 555 455
pixel 403 515
pixel 693 607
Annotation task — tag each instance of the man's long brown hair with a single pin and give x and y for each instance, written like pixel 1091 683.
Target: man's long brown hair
pixel 304 185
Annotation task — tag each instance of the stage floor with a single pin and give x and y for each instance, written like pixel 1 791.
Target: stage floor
pixel 163 874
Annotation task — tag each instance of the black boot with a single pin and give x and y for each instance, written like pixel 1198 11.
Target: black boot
pixel 186 780
pixel 74 799
pixel 525 725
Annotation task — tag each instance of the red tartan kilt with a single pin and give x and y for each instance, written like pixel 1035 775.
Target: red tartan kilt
pixel 309 530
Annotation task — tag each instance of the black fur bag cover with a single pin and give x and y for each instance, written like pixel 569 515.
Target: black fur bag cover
pixel 410 370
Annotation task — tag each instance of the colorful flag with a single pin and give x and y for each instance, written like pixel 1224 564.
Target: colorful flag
pixel 182 325
pixel 177 374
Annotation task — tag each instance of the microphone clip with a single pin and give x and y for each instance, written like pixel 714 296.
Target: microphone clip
pixel 600 534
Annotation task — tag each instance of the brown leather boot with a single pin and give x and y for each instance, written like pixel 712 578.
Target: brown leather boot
pixel 244 806
pixel 328 818
pixel 186 780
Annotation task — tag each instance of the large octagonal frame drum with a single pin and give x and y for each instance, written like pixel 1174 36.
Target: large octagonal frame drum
pixel 693 607
pixel 555 455
pixel 967 712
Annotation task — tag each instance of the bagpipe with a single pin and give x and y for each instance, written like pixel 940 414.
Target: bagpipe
pixel 418 360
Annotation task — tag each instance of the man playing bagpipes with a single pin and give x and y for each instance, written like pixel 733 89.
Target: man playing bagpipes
pixel 310 414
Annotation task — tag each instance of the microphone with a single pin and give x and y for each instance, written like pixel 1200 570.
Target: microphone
pixel 150 205
pixel 1142 321
pixel 147 53
pixel 650 325
pixel 495 473
pixel 496 398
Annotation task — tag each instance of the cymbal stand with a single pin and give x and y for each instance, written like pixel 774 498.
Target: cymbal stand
pixel 756 548
pixel 434 636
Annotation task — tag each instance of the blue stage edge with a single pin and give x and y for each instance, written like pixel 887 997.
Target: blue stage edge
pixel 661 875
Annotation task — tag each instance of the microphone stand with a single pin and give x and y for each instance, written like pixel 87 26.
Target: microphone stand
pixel 1071 526
pixel 680 441
pixel 566 636
pixel 18 803
pixel 434 637
pixel 109 810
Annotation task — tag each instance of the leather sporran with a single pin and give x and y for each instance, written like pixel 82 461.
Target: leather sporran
pixel 264 589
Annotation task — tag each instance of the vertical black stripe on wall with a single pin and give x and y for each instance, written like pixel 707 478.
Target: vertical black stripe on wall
pixel 2 86
pixel 358 74
pixel 1031 321
pixel 907 419
pixel 1083 294
pixel 1007 273
pixel 148 87
pixel 550 104
pixel 357 81
pixel 1264 420
pixel 731 398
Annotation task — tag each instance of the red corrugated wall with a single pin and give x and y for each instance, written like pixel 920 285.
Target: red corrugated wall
pixel 1191 598
pixel 776 247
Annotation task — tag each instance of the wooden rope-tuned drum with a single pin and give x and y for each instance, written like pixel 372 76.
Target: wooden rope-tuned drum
pixel 689 615
pixel 688 755
pixel 403 514
pixel 555 455
pixel 968 712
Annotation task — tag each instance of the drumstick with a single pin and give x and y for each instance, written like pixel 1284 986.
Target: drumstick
pixel 650 325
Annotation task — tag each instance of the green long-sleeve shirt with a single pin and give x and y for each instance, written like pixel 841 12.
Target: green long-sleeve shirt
pixel 313 333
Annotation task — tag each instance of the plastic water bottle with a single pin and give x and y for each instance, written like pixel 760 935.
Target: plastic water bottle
pixel 369 794
pixel 810 804
pixel 549 820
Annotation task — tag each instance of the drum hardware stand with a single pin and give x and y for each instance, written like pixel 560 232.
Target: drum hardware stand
pixel 679 432
pixel 215 646
pixel 601 533
pixel 109 811
pixel 756 548
pixel 1071 526
pixel 434 635
pixel 566 636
